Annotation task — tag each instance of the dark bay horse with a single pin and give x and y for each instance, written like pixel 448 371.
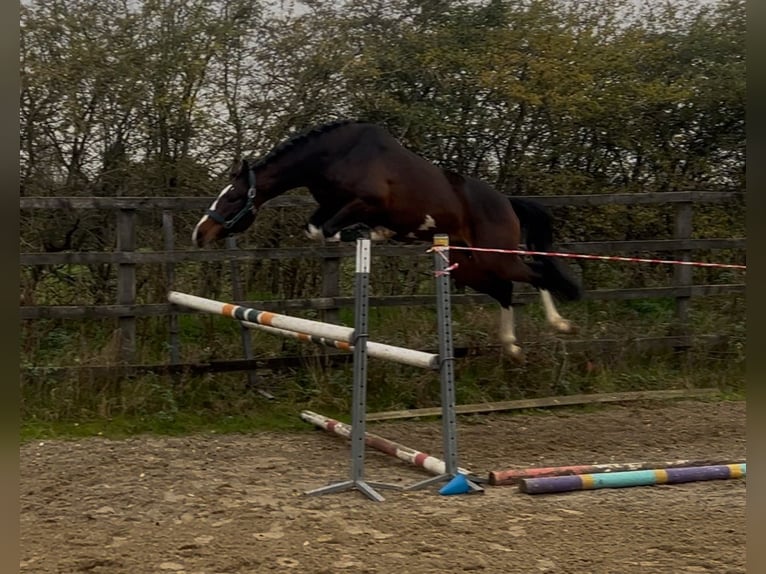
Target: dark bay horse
pixel 359 174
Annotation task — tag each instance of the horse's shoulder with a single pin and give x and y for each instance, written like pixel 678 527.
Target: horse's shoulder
pixel 456 179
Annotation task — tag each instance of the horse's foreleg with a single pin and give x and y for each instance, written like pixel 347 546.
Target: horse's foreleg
pixel 315 233
pixel 355 211
pixel 552 315
pixel 316 221
pixel 508 334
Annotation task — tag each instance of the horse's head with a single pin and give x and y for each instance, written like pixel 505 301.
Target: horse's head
pixel 233 210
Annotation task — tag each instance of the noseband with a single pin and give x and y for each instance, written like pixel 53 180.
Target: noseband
pixel 229 223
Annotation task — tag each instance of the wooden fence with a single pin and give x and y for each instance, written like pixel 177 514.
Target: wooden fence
pixel 127 256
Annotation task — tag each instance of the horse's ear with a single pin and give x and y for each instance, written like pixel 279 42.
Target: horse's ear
pixel 234 169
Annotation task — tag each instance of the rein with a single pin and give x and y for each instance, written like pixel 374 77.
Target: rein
pixel 229 223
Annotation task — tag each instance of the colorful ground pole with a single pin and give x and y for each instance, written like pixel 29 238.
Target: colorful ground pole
pixel 555 484
pixel 424 460
pixel 515 475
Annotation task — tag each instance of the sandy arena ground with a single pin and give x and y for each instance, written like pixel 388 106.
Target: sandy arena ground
pixel 235 504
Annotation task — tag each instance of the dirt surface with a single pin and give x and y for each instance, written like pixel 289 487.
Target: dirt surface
pixel 236 504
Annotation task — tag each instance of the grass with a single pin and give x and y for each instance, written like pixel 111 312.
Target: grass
pixel 224 404
pixel 274 418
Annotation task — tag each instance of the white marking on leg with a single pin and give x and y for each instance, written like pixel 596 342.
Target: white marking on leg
pixel 552 315
pixel 314 233
pixel 428 223
pixel 508 333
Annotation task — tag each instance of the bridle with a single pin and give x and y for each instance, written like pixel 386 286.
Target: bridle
pixel 229 223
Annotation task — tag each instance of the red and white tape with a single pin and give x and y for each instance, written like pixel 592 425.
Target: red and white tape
pixel 597 257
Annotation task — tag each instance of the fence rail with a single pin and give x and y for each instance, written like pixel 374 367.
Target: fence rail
pixel 283 362
pixel 333 303
pixel 247 254
pixel 129 254
pixel 189 203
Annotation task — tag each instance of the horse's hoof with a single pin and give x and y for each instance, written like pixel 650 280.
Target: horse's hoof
pixel 354 232
pixel 517 354
pixel 313 233
pixel 565 327
pixel 350 234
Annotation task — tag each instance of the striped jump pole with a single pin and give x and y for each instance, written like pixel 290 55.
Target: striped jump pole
pixel 515 476
pixel 315 332
pixel 424 460
pixel 555 484
pixel 391 353
pixel 315 328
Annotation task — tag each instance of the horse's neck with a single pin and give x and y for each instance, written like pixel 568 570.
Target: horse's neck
pixel 283 174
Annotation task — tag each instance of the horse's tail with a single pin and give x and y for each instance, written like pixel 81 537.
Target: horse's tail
pixel 537 228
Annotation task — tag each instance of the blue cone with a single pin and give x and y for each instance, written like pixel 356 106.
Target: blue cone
pixel 458 485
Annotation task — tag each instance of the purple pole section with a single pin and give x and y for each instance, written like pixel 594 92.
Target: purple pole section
pixel 555 484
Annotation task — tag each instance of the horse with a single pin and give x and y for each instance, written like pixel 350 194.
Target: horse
pixel 362 177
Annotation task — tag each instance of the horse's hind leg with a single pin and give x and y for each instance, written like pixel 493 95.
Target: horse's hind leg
pixel 533 272
pixel 552 315
pixel 505 272
pixel 508 334
pixel 484 280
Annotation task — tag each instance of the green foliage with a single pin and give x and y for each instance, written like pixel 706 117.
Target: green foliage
pixel 539 97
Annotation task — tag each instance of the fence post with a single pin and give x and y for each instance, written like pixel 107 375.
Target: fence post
pixel 126 284
pixel 331 287
pixel 238 295
pixel 170 278
pixel 682 274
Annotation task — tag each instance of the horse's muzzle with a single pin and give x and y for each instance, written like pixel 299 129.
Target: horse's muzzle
pixel 206 231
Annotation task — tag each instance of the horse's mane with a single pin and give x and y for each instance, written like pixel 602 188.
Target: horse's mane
pixel 300 138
